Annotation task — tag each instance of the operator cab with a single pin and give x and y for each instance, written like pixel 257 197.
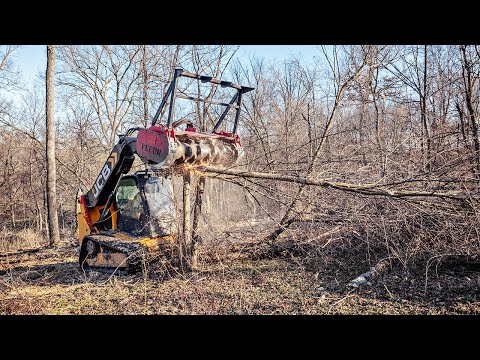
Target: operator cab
pixel 145 205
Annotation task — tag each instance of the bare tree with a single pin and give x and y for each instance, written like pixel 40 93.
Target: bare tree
pixel 470 61
pixel 342 74
pixel 381 141
pixel 53 228
pixel 8 72
pixel 106 77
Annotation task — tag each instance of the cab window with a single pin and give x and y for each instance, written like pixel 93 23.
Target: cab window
pixel 129 205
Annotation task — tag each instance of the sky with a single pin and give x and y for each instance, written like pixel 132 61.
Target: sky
pixel 279 52
pixel 32 59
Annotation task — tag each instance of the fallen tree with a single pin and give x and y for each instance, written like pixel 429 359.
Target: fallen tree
pixel 460 198
pixel 364 189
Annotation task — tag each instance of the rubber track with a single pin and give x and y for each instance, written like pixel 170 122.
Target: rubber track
pixel 133 251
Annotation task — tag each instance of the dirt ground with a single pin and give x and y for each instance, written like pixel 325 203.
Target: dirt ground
pixel 231 282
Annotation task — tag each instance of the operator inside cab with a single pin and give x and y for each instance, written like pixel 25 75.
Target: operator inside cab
pixel 130 207
pixel 147 212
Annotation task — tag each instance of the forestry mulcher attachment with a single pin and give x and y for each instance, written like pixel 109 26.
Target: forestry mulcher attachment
pixel 123 217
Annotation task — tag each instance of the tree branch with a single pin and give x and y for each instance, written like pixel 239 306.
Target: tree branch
pixel 369 189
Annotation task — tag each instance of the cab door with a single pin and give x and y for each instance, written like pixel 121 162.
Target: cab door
pixel 131 207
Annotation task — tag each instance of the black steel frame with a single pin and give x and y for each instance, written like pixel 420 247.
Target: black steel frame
pixel 171 93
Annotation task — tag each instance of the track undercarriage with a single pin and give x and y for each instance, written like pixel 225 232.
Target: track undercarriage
pixel 112 254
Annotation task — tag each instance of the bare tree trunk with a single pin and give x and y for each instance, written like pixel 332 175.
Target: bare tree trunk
pixel 468 85
pixel 463 125
pixel 310 135
pixel 379 137
pixel 45 220
pixel 40 220
pixel 197 210
pixel 12 213
pixel 54 231
pixel 187 233
pixel 423 98
pixel 361 125
pixel 145 84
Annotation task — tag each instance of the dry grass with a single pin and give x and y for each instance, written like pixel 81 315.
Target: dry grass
pixel 305 272
pixel 50 282
pixel 17 240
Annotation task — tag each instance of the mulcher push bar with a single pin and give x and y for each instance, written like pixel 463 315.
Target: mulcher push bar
pixel 171 93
